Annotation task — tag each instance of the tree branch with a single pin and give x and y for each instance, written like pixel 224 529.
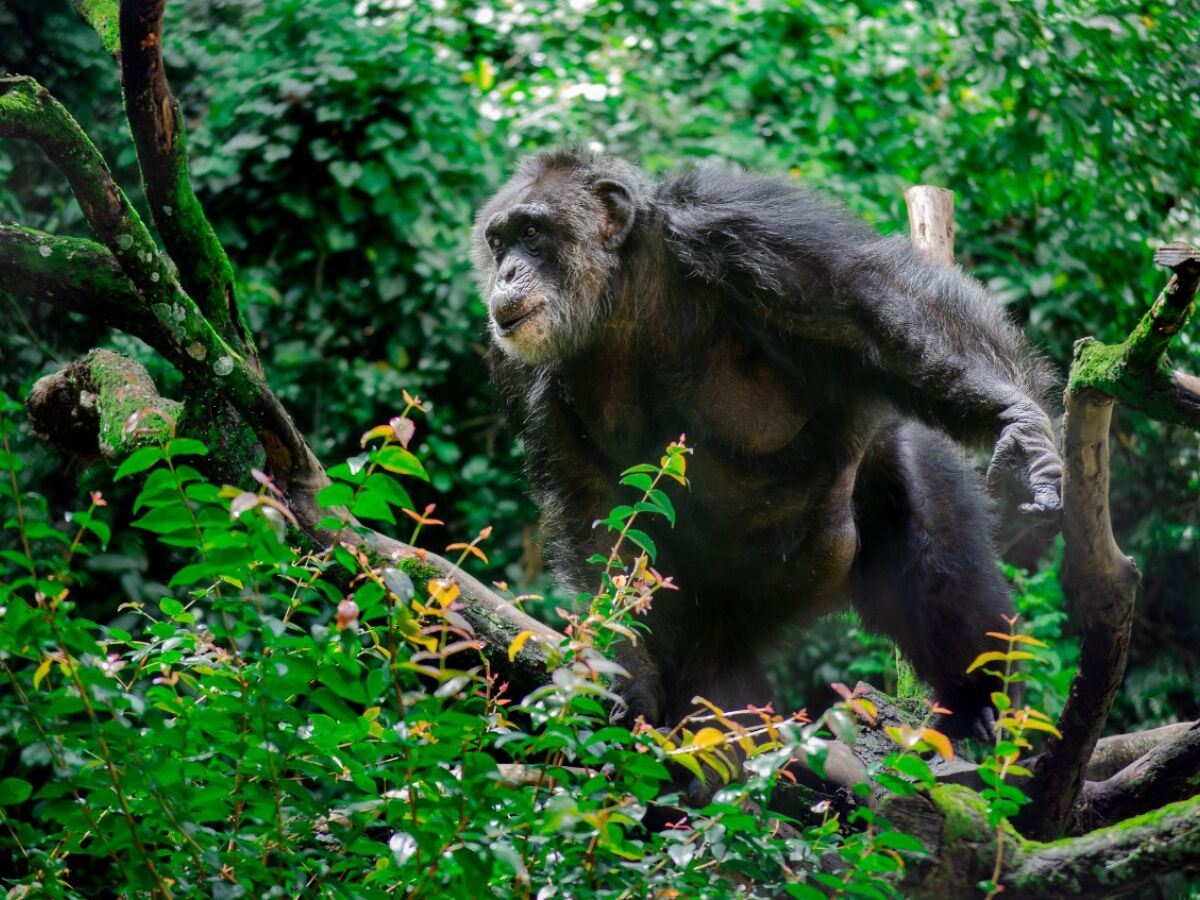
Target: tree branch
pixel 102 15
pixel 1115 752
pixel 1112 860
pixel 931 222
pixel 156 121
pixel 103 405
pixel 1100 581
pixel 27 111
pixel 70 273
pixel 187 338
pixel 1169 772
pixel 951 821
pixel 1134 372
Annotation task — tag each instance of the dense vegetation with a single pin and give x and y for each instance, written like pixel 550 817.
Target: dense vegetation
pixel 341 151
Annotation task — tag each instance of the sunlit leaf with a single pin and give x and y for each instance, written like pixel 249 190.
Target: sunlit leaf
pixel 938 742
pixel 998 656
pixel 708 737
pixel 517 643
pixel 1017 638
pixel 443 590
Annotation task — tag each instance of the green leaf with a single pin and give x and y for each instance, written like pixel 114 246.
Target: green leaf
pixel 139 461
pixel 804 891
pixel 638 480
pixel 916 768
pixel 337 494
pixel 402 462
pixel 641 467
pixel 185 447
pixel 101 530
pixel 643 540
pixel 371 505
pixel 165 519
pixel 659 499
pixel 389 489
pixel 14 791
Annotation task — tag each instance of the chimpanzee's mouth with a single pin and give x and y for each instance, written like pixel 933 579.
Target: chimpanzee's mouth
pixel 509 320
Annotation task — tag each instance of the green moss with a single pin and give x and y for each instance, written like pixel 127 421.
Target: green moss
pixel 1119 832
pixel 964 811
pixel 103 16
pixel 911 694
pixel 122 390
pixel 418 571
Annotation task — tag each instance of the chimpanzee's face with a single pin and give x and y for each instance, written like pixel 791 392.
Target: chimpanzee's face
pixel 545 255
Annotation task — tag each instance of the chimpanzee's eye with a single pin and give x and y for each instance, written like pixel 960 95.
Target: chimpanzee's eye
pixel 495 242
pixel 531 232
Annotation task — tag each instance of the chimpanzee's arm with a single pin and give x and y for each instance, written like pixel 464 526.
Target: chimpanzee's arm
pixel 942 344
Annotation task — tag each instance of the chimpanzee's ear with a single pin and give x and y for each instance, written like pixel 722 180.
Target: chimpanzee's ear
pixel 616 221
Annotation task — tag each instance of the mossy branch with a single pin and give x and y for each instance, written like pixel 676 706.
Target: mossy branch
pixel 156 307
pixel 27 111
pixel 951 822
pixel 1135 372
pixel 157 125
pixel 102 16
pixel 1099 580
pixel 71 273
pixel 103 405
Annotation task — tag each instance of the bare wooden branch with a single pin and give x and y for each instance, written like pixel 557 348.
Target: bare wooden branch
pixel 1100 582
pixel 1169 772
pixel 1176 255
pixel 931 222
pixel 1115 752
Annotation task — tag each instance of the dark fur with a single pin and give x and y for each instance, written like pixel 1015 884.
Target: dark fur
pixel 819 371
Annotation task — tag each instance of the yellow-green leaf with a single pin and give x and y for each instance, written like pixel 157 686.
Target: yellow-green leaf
pixel 517 643
pixel 443 590
pixel 998 656
pixel 1017 638
pixel 708 737
pixel 938 742
pixel 41 671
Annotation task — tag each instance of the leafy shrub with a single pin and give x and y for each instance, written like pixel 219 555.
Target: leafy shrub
pixel 280 720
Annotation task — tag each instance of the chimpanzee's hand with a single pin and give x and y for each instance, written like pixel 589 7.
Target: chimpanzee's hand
pixel 972 714
pixel 1025 452
pixel 640 688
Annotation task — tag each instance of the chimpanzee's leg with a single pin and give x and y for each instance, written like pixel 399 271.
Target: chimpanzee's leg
pixel 926 569
pixel 689 654
pixel 698 653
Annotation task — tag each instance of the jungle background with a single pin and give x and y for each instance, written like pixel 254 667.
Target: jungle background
pixel 341 150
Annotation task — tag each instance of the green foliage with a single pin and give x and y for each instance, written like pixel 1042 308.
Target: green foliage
pixel 1013 729
pixel 284 721
pixel 342 151
pixel 208 696
pixel 278 720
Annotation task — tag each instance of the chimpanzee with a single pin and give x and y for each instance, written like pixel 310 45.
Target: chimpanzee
pixel 823 375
